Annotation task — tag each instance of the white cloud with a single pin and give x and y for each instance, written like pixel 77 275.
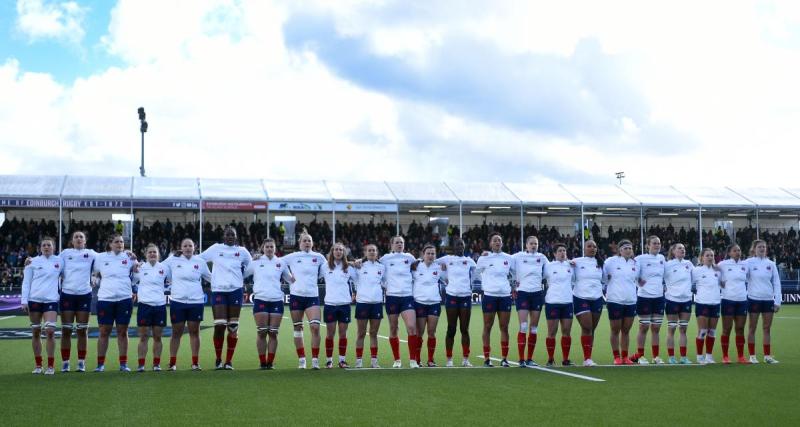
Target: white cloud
pixel 37 20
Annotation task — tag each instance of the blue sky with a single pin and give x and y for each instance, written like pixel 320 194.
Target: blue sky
pixel 509 90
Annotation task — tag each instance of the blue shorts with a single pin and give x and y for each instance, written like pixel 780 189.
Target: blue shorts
pixel 71 302
pixel 650 306
pixel 336 313
pixel 619 311
pixel 761 306
pixel 532 301
pixel 457 302
pixel 369 311
pixel 706 310
pixel 558 311
pixel 425 310
pixel 110 312
pixel 271 307
pixel 674 307
pixel 180 312
pixel 491 304
pixel 734 308
pixel 298 303
pixel 151 315
pixel 397 305
pixel 232 298
pixel 42 307
pixel 580 305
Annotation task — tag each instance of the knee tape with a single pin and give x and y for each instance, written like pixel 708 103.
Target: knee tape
pixel 523 326
pixel 233 326
pixel 672 324
pixel 712 333
pixel 683 323
pixel 657 321
pixel 644 321
pixel 69 326
pixel 50 325
pixel 314 322
pixel 218 322
pixel 36 326
pixel 534 329
pixel 273 331
pixel 702 333
pixel 263 330
pixel 298 334
pixel 298 324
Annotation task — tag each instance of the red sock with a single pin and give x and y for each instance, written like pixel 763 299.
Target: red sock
pixel 195 360
pixel 218 346
pixel 710 344
pixel 359 352
pixel 550 343
pixel 301 352
pixel 156 361
pixel 81 354
pixel 724 341
pixel 262 358
pixel 270 357
pixel 394 342
pixel 412 347
pixel 50 361
pixel 328 347
pixel 683 351
pixel 141 361
pixel 655 349
pixel 740 345
pixel 465 350
pixel 342 346
pixel 123 360
pixel 586 343
pixel 639 352
pixel 521 345
pixel 38 360
pixel 431 348
pixel 504 348
pixel 173 360
pixel 448 352
pixel 616 353
pixel 699 342
pixel 751 348
pixel 486 351
pixel 624 354
pixel 232 340
pixel 767 350
pixel 671 351
pixel 566 343
pixel 373 351
pixel 101 360
pixel 315 352
pixel 418 347
pixel 65 354
pixel 531 345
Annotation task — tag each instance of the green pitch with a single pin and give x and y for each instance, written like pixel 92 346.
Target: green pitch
pixel 661 395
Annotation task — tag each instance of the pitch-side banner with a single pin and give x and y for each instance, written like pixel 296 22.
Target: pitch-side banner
pixel 327 207
pixel 234 206
pixel 29 203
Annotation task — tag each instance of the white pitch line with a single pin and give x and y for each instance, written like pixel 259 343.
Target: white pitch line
pixel 647 366
pixel 552 371
pixel 787 317
pixel 322 324
pixel 421 368
pixel 7 317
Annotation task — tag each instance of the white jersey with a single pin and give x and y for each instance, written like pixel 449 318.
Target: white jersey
pixel 460 271
pixel 187 275
pixel 494 270
pixel 765 283
pixel 338 284
pixel 370 282
pixel 398 274
pixel 305 267
pixel 228 265
pixel 40 279
pixel 651 271
pixel 152 281
pixel 77 270
pixel 621 276
pixel 706 282
pixel 115 276
pixel 588 278
pixel 267 274
pixel 678 279
pixel 426 283
pixel 529 268
pixel 734 279
pixel 559 282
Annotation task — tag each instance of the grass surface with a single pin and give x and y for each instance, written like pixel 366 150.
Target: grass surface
pixel 718 394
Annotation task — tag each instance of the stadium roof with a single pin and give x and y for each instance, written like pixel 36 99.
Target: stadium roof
pixel 404 193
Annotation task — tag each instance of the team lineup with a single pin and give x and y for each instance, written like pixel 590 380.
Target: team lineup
pixel 740 290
